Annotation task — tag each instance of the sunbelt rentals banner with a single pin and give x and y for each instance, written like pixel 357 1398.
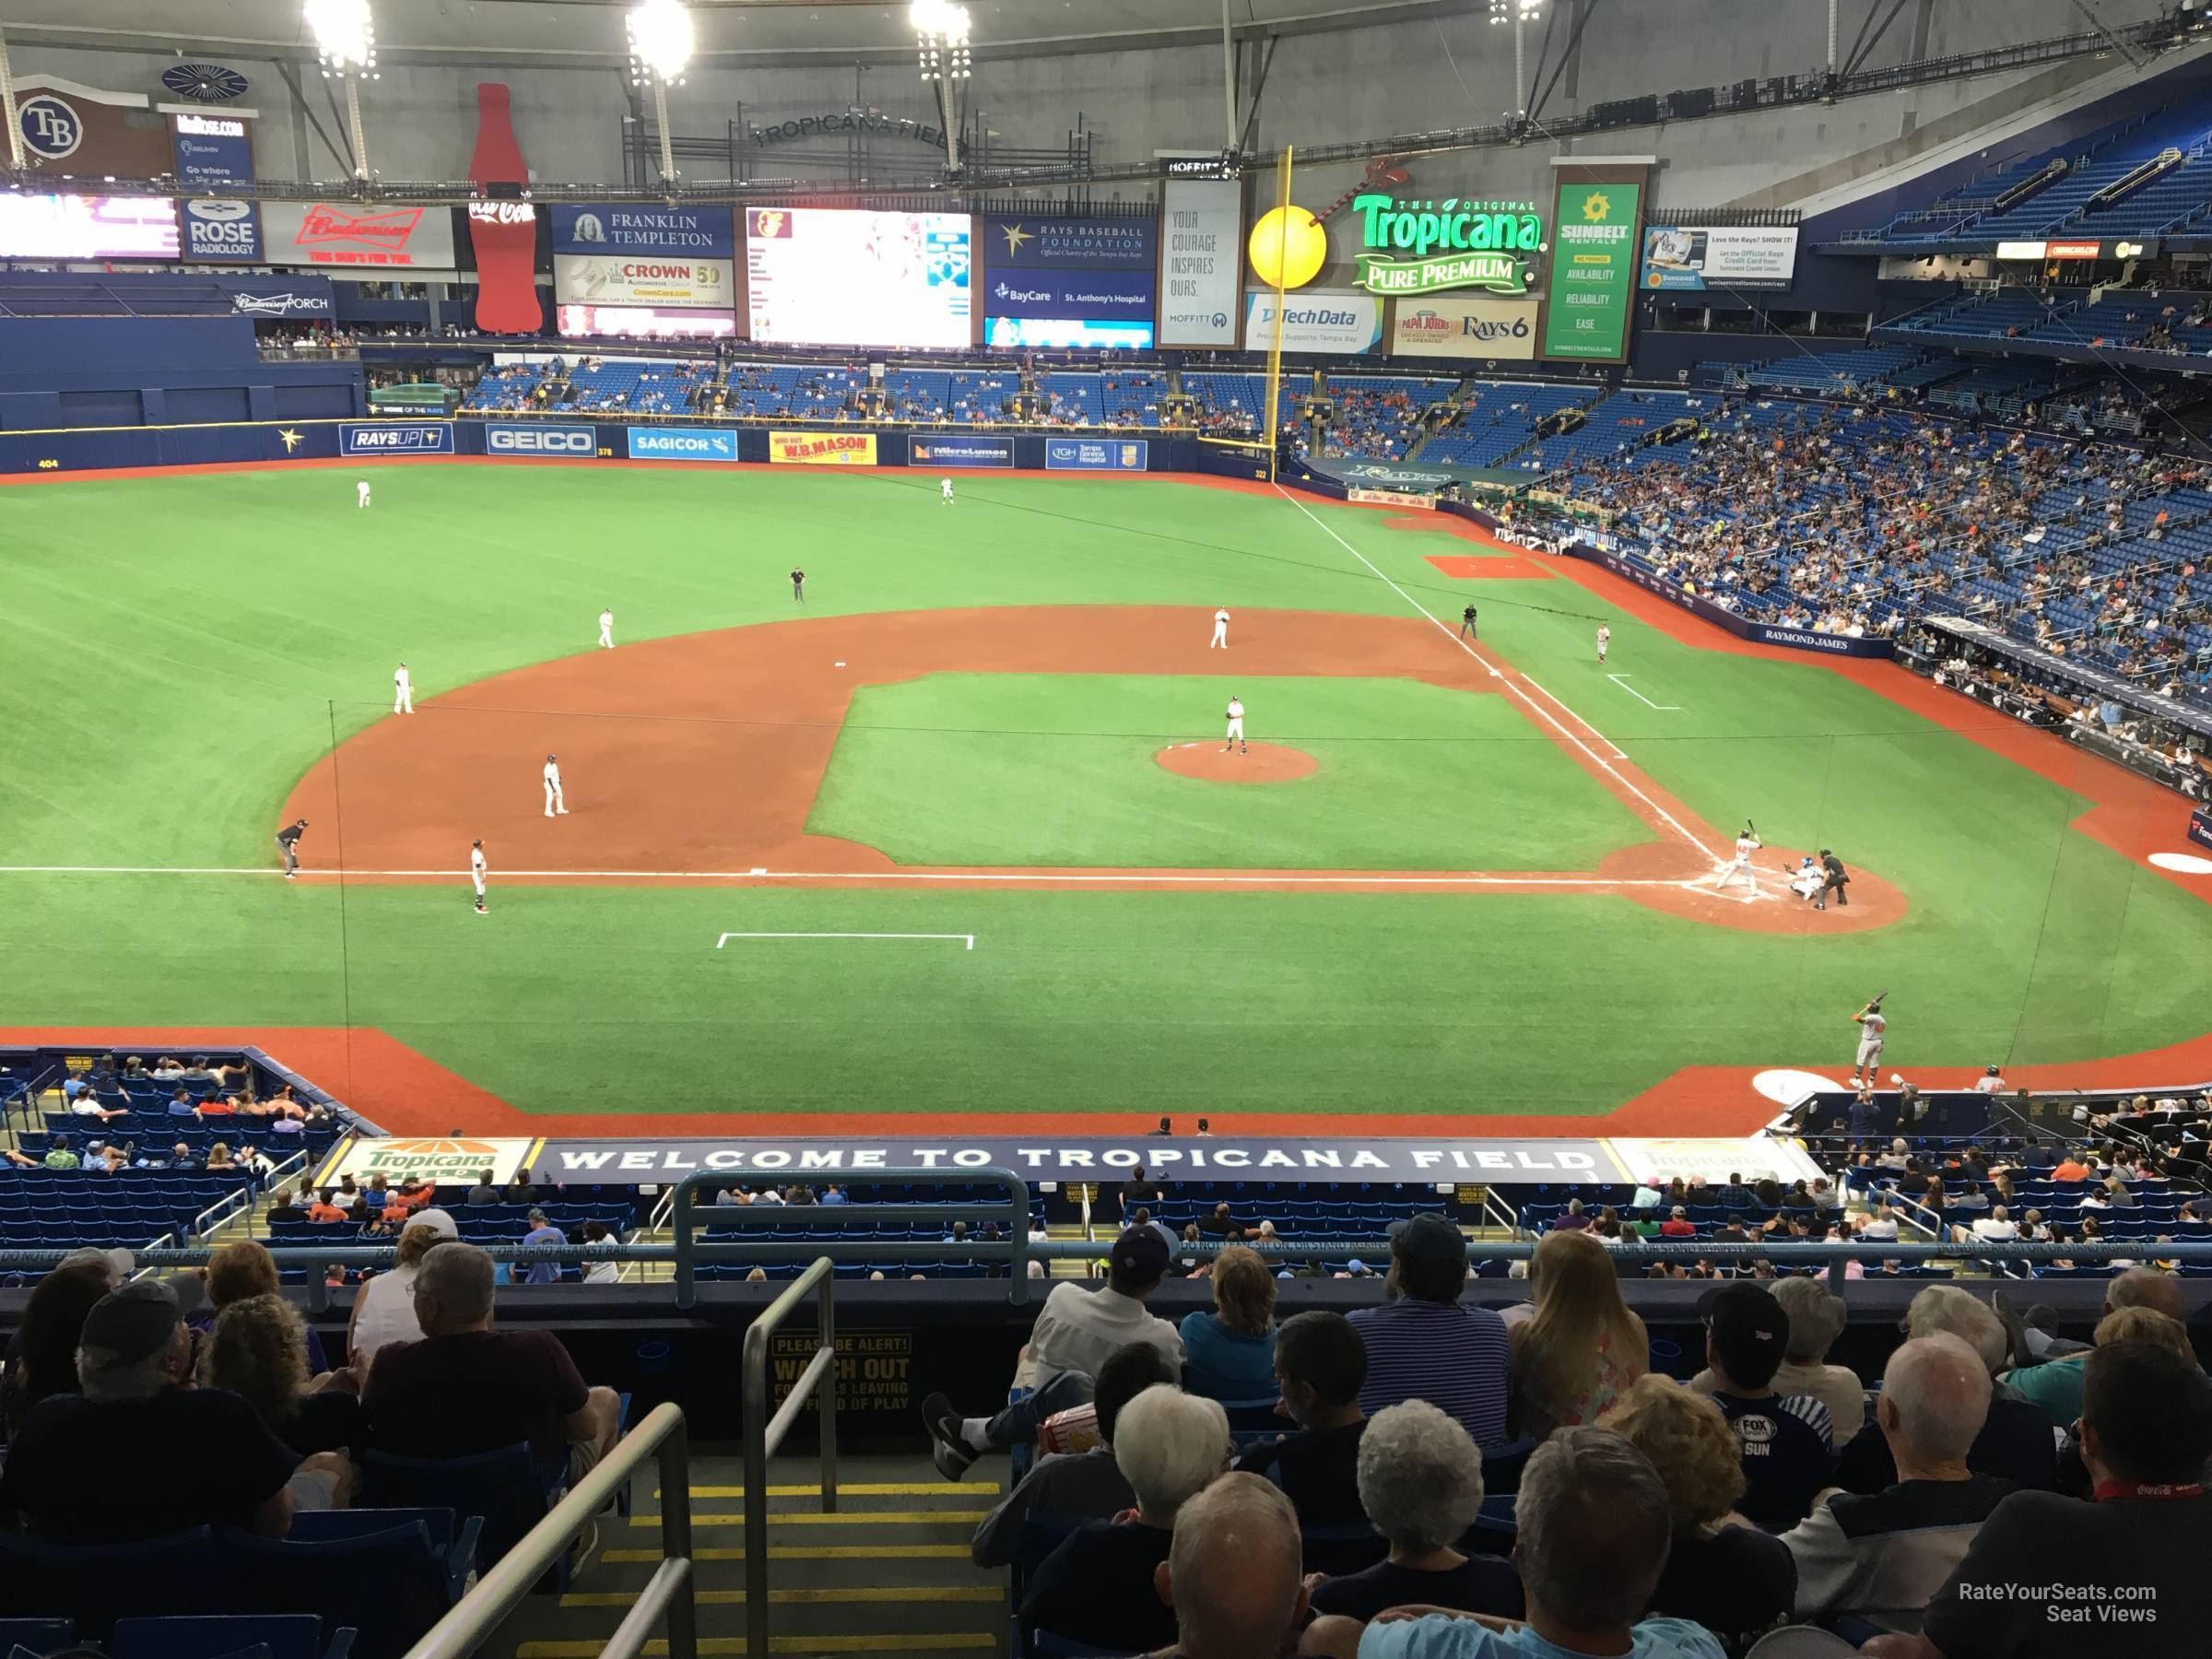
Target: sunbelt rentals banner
pixel 822 449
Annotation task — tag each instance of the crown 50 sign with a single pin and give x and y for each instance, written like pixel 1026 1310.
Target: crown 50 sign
pixel 1423 247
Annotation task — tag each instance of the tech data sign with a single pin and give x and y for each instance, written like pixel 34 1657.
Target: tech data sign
pixel 1426 247
pixel 564 442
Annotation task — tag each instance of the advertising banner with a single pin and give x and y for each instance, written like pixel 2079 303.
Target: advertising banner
pixel 300 296
pixel 2200 827
pixel 396 438
pixel 962 451
pixel 1765 633
pixel 611 230
pixel 1100 295
pixel 79 227
pixel 1391 498
pixel 682 444
pixel 1071 244
pixel 822 449
pixel 1095 455
pixel 1067 333
pixel 502 228
pixel 338 234
pixel 455 1162
pixel 1202 261
pixel 213 150
pixel 654 280
pixel 837 276
pixel 642 322
pixel 1412 247
pixel 220 229
pixel 1460 325
pixel 530 437
pixel 1593 271
pixel 89 133
pixel 1678 256
pixel 1338 322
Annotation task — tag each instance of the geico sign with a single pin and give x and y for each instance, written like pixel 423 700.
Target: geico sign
pixel 535 440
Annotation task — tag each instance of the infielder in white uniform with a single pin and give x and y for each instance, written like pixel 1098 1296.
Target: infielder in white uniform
pixel 1871 1026
pixel 1604 637
pixel 606 628
pixel 403 691
pixel 1805 879
pixel 1220 630
pixel 1236 727
pixel 477 870
pixel 360 492
pixel 553 802
pixel 1746 844
pixel 944 489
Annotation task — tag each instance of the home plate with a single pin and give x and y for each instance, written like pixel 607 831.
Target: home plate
pixel 840 665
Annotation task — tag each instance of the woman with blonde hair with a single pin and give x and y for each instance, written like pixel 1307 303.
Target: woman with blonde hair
pixel 254 1351
pixel 1228 1354
pixel 1722 1572
pixel 384 1310
pixel 1582 1345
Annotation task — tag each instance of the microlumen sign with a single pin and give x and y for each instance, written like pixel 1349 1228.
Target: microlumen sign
pixel 1425 247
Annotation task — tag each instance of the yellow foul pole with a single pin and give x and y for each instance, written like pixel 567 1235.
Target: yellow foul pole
pixel 1274 348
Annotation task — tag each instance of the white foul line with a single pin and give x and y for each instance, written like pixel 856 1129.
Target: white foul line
pixel 968 938
pixel 1596 758
pixel 1015 878
pixel 1622 681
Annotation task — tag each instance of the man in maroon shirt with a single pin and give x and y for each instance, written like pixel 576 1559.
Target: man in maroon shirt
pixel 467 1388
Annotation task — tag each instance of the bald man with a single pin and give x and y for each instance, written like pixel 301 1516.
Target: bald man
pixel 1880 1557
pixel 1232 1574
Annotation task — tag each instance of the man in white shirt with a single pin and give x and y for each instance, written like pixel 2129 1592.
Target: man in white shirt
pixel 1220 638
pixel 1879 1225
pixel 1997 1225
pixel 606 628
pixel 1807 878
pixel 1746 844
pixel 403 691
pixel 554 804
pixel 944 490
pixel 1073 1335
pixel 1990 1082
pixel 1604 637
pixel 360 492
pixel 1871 1026
pixel 477 870
pixel 1235 726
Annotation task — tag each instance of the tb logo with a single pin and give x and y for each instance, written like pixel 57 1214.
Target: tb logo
pixel 52 129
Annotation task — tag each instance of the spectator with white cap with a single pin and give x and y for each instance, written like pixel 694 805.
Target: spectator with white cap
pixel 384 1310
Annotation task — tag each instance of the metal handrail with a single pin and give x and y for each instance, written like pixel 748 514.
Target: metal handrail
pixel 668 1592
pixel 764 1434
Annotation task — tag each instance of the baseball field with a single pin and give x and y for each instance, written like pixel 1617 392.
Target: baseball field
pixel 953 842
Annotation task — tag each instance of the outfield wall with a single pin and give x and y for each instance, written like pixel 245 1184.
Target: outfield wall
pixel 1758 633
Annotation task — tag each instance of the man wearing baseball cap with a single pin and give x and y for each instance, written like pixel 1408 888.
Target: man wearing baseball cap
pixel 1787 1440
pixel 1073 1335
pixel 1424 1344
pixel 140 1451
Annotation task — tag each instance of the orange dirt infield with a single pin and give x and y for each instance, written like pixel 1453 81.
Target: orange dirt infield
pixel 1257 763
pixel 696 759
pixel 1505 566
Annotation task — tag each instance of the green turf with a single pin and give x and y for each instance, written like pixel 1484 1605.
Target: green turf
pixel 181 650
pixel 1011 769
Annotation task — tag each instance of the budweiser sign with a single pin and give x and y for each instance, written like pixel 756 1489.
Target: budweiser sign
pixel 337 233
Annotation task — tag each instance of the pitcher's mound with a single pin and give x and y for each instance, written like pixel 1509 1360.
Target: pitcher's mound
pixel 1261 763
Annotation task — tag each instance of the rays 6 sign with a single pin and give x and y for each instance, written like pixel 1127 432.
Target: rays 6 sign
pixel 1424 247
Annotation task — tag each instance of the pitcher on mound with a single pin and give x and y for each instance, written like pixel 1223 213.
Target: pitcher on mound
pixel 1236 727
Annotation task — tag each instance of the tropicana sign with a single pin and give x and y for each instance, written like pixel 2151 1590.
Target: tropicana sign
pixel 1424 247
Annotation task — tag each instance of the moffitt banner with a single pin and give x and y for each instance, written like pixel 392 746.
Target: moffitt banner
pixel 608 228
pixel 1742 628
pixel 1071 244
pixel 1103 295
pixel 396 438
pixel 528 438
pixel 217 229
pixel 1095 455
pixel 822 449
pixel 213 150
pixel 962 451
pixel 682 444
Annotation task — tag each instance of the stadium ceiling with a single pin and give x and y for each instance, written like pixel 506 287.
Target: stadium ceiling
pixel 588 33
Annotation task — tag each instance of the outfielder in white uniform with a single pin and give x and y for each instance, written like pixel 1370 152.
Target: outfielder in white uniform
pixel 1807 878
pixel 1604 637
pixel 477 870
pixel 606 628
pixel 1236 727
pixel 1221 638
pixel 944 489
pixel 361 493
pixel 1871 1026
pixel 403 691
pixel 1746 844
pixel 554 804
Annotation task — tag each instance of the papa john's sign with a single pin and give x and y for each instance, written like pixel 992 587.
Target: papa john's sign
pixel 1427 247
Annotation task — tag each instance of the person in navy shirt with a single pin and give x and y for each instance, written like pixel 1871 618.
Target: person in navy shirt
pixel 1424 1344
pixel 1787 1440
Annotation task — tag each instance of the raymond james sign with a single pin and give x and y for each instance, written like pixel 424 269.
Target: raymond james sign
pixel 1423 247
pixel 1321 1159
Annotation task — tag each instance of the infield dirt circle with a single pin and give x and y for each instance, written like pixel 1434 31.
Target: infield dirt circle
pixel 1257 763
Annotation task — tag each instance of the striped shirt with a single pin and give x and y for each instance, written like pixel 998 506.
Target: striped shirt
pixel 1455 1356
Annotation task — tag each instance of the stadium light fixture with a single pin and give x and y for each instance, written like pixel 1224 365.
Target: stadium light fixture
pixel 659 51
pixel 942 54
pixel 345 47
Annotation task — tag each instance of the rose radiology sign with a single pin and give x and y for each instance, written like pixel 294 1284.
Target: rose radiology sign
pixel 1426 247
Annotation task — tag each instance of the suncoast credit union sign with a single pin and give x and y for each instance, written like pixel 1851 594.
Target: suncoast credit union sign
pixel 1427 247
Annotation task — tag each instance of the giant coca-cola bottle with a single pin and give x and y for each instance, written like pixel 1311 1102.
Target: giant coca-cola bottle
pixel 503 231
